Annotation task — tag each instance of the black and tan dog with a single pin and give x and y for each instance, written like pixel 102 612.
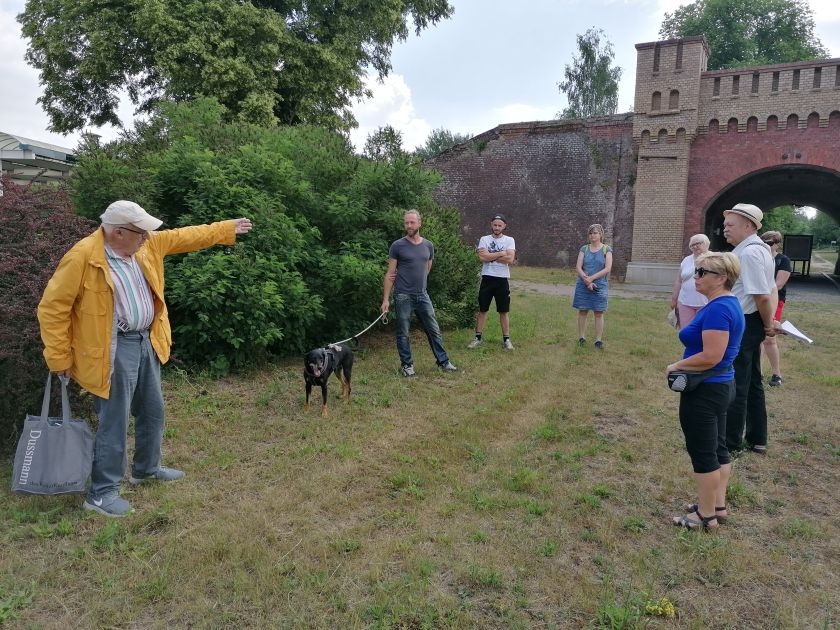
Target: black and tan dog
pixel 320 363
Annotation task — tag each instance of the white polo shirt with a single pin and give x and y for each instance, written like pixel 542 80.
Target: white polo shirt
pixel 757 270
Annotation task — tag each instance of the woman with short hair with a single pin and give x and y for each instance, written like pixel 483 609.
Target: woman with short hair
pixel 783 269
pixel 711 341
pixel 685 299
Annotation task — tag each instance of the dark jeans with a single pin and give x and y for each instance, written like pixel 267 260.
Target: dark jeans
pixel 747 415
pixel 407 303
pixel 703 421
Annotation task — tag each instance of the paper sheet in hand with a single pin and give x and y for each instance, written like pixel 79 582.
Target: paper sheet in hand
pixel 793 331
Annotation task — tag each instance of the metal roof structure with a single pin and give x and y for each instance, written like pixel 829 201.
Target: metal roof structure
pixel 26 160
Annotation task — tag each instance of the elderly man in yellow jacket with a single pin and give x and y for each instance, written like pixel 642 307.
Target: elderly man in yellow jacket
pixel 104 323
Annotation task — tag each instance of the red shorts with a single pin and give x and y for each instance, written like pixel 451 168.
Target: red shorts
pixel 778 315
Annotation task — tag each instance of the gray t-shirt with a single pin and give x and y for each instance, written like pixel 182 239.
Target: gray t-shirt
pixel 412 264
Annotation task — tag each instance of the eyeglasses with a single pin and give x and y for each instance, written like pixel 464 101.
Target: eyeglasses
pixel 702 271
pixel 695 244
pixel 140 232
pixel 770 243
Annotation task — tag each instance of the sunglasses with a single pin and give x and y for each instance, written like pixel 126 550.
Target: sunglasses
pixel 702 271
pixel 140 232
pixel 770 243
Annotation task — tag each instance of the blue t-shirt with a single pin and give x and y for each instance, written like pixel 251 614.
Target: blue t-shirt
pixel 723 313
pixel 412 264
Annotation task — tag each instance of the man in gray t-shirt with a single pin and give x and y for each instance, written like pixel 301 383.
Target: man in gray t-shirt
pixel 409 262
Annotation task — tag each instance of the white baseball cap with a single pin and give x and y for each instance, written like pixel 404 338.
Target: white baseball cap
pixel 122 212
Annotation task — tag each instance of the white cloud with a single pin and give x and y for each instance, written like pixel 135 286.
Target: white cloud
pixel 391 104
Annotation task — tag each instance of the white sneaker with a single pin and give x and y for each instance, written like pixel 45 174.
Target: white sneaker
pixel 448 367
pixel 507 345
pixel 475 343
pixel 407 370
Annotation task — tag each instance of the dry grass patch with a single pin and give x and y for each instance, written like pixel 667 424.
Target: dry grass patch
pixel 531 489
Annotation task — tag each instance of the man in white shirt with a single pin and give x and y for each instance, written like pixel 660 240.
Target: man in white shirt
pixel 746 419
pixel 496 251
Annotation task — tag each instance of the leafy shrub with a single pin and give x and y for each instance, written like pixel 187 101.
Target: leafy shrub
pixel 37 227
pixel 311 271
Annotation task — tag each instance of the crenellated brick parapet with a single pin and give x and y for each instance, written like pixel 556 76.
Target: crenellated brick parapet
pixel 802 95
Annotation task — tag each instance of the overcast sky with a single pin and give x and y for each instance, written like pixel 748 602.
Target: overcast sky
pixel 493 62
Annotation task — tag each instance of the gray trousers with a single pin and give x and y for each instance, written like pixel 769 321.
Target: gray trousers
pixel 135 389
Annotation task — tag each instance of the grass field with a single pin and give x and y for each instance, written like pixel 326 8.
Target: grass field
pixel 531 489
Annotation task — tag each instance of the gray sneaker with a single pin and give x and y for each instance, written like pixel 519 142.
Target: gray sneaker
pixel 407 370
pixel 507 345
pixel 475 343
pixel 447 367
pixel 162 474
pixel 111 505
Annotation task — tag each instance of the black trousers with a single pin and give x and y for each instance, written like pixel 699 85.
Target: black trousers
pixel 747 415
pixel 703 421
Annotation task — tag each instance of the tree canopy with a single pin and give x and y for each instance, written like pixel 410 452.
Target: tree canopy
pixel 591 83
pixel 438 141
pixel 266 61
pixel 748 32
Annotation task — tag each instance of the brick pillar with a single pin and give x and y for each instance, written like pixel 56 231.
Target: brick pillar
pixel 668 77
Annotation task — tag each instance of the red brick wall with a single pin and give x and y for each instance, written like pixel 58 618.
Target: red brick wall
pixel 551 180
pixel 793 162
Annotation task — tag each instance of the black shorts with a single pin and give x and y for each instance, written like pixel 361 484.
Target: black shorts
pixel 493 287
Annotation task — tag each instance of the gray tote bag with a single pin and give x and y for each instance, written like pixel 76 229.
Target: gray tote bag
pixel 54 455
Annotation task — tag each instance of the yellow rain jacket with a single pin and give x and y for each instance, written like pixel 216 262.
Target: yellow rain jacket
pixel 76 312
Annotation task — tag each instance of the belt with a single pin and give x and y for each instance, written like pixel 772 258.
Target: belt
pixel 133 333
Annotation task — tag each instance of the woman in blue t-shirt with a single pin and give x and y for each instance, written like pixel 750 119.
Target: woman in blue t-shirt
pixel 711 341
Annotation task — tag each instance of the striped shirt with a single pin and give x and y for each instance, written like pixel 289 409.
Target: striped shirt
pixel 133 302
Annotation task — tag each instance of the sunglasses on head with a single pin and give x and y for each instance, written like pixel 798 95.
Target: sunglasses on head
pixel 702 271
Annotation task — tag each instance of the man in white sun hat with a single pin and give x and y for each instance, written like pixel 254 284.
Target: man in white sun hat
pixel 104 323
pixel 746 418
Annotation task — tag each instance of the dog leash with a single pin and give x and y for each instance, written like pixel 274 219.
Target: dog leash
pixel 383 318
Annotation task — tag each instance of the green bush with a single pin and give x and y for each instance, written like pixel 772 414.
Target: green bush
pixel 311 270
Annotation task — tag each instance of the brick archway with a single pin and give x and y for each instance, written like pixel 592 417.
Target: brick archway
pixel 768 168
pixel 800 185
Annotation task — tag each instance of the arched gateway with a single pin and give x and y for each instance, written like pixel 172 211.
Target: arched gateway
pixel 697 143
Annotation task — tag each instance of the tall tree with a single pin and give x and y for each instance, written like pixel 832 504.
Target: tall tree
pixel 787 220
pixel 384 145
pixel 825 230
pixel 438 141
pixel 591 84
pixel 748 32
pixel 266 61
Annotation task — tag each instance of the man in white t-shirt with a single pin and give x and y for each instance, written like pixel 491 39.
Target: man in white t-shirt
pixel 746 418
pixel 496 252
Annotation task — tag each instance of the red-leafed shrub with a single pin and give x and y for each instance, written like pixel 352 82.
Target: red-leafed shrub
pixel 37 226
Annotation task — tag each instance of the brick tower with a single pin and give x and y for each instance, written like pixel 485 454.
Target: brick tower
pixel 665 123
